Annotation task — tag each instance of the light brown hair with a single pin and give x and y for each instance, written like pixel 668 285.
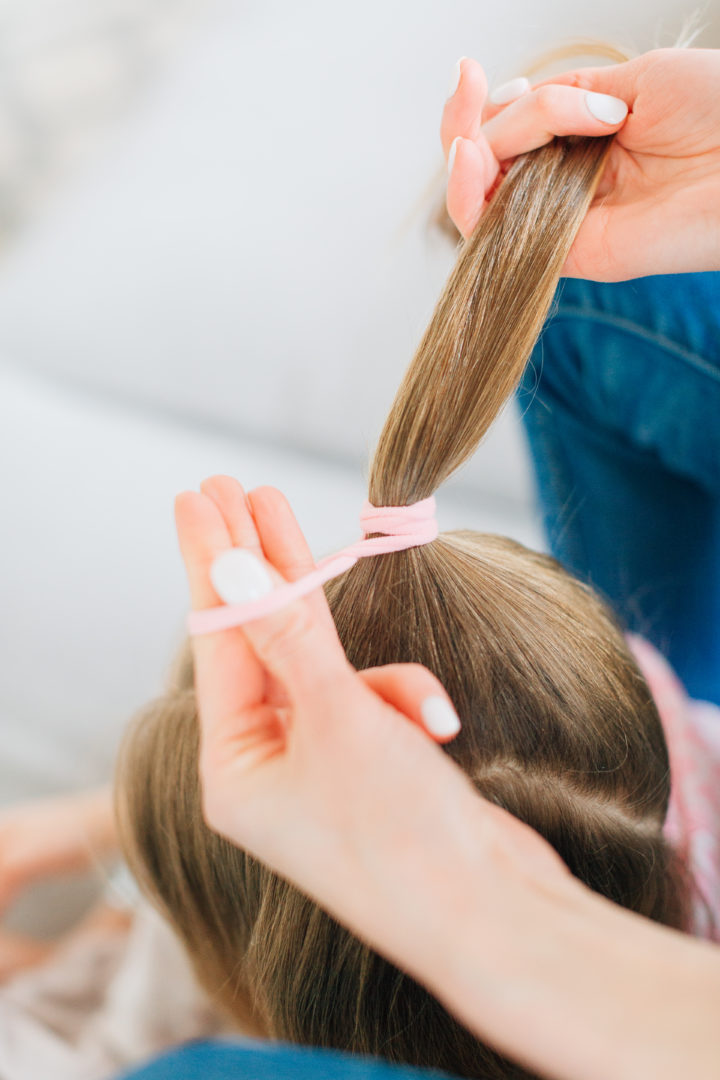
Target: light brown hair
pixel 558 724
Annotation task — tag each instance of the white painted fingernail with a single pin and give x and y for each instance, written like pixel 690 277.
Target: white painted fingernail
pixel 237 576
pixel 439 717
pixel 610 110
pixel 455 80
pixel 509 91
pixel 453 151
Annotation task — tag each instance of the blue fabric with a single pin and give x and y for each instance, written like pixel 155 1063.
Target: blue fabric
pixel 254 1060
pixel 621 405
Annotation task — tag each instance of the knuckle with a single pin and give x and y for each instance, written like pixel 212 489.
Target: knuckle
pixel 547 101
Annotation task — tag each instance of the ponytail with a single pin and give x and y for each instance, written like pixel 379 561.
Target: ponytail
pixel 487 320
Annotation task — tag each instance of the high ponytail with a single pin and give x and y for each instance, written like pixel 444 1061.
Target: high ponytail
pixel 558 724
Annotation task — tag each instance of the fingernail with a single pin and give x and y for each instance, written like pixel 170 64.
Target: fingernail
pixel 456 76
pixel 509 91
pixel 237 576
pixel 610 110
pixel 451 155
pixel 439 717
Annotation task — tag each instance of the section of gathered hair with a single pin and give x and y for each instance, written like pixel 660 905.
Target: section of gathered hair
pixel 487 320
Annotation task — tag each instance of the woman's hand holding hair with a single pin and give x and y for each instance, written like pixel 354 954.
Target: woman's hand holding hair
pixel 326 775
pixel 657 208
pixel 308 764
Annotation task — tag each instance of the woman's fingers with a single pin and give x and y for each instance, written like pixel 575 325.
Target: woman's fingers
pixel 462 119
pixel 202 535
pixel 283 542
pixel 233 504
pixel 468 184
pixel 462 114
pixel 415 692
pixel 518 118
pixel 530 121
pixel 504 94
pixel 549 110
pixel 263 523
pixel 287 643
pixel 228 677
pixel 617 80
pixel 298 646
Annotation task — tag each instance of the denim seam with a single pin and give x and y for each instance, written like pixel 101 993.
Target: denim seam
pixel 570 313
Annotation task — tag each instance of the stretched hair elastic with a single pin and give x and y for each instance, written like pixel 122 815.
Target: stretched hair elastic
pixel 401 527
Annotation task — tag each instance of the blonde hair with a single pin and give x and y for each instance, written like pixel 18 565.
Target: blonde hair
pixel 558 724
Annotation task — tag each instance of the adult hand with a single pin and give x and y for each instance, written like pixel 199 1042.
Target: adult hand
pixel 657 208
pixel 326 775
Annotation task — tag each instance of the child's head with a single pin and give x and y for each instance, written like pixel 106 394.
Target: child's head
pixel 558 724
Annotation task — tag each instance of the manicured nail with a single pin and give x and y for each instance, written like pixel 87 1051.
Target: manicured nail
pixel 237 576
pixel 610 110
pixel 439 717
pixel 455 80
pixel 509 91
pixel 453 151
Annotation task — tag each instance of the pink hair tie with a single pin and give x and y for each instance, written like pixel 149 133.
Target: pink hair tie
pixel 401 527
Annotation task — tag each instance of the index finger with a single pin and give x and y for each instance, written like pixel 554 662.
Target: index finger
pixel 618 79
pixel 284 544
pixel 536 117
pixel 228 676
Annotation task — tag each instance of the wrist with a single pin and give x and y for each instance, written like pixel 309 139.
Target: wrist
pixel 572 986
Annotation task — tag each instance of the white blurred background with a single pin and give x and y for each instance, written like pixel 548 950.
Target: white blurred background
pixel 215 258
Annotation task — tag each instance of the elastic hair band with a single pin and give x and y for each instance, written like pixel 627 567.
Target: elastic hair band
pixel 402 527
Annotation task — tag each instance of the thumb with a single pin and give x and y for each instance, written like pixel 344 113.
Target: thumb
pixel 294 644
